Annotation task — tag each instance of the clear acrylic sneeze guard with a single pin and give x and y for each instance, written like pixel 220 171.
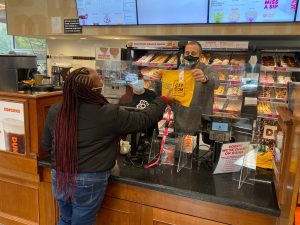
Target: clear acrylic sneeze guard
pixel 247 165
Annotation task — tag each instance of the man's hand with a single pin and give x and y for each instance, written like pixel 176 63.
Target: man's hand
pixel 157 75
pixel 199 75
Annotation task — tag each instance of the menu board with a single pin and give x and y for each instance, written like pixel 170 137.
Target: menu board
pixel 172 12
pixel 298 12
pixel 251 11
pixel 106 12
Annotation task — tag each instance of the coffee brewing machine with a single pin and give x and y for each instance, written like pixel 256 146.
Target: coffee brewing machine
pixel 14 69
pixel 58 74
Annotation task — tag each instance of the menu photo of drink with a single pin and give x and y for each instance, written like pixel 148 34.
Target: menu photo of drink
pixel 12 127
pixel 298 13
pixel 252 11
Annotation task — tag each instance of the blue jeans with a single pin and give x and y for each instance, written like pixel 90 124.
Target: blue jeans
pixel 88 196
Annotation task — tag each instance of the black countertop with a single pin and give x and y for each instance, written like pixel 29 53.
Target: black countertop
pixel 199 183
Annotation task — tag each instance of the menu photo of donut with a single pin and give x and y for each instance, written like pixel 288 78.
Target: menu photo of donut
pixel 108 53
pixel 115 53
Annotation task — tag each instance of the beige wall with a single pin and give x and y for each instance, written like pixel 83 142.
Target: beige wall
pixel 77 47
pixel 33 17
pixel 61 51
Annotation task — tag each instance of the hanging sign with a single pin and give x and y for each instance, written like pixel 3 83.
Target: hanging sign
pixel 72 26
pixel 153 44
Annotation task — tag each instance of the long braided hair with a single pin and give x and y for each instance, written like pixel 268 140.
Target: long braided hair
pixel 77 87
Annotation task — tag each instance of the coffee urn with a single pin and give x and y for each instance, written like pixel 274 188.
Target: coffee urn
pixel 58 74
pixel 14 69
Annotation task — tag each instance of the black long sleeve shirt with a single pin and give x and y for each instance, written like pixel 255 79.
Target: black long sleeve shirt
pixel 98 129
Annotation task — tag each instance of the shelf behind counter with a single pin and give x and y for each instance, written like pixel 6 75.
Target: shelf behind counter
pixel 194 188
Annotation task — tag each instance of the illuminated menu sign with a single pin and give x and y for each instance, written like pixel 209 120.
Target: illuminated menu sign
pixel 298 12
pixel 106 12
pixel 252 11
pixel 172 12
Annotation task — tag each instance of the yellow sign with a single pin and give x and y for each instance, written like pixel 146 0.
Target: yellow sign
pixel 181 83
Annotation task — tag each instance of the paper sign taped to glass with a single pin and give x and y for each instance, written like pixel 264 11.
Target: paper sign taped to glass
pixel 181 83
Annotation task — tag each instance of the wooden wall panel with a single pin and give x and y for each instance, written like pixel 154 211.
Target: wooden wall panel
pixel 291 181
pixel 127 204
pixel 115 211
pixel 47 204
pixel 19 202
pixel 38 110
pixel 206 210
pixel 155 216
pixel 18 162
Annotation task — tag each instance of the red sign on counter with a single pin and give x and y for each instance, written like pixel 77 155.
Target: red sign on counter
pixel 153 64
pixel 264 99
pixel 267 84
pixel 272 116
pixel 234 82
pixel 279 68
pixel 230 153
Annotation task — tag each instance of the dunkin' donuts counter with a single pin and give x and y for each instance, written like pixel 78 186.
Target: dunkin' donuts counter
pixel 22 119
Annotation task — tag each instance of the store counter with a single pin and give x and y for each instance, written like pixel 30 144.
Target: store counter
pixel 197 187
pixel 22 119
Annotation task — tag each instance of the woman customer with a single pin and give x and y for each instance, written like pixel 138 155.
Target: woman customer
pixel 82 134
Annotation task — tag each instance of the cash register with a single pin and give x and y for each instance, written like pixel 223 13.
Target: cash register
pixel 140 144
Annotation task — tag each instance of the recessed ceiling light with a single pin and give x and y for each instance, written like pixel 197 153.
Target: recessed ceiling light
pixel 117 38
pixel 83 38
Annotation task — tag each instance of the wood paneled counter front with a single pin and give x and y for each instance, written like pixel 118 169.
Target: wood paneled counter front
pixel 19 175
pixel 161 196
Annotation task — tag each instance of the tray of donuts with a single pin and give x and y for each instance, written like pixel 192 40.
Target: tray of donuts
pixel 266 109
pixel 233 106
pixel 287 60
pixel 268 60
pixel 220 59
pixel 238 60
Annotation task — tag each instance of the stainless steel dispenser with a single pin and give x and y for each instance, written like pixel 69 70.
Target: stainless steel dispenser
pixel 14 69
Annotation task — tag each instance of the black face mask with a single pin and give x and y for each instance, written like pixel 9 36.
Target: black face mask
pixel 191 59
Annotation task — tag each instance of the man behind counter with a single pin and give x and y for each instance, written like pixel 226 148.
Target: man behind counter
pixel 187 119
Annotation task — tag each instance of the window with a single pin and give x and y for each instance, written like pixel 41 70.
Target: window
pixel 32 46
pixel 5 40
pixel 30 43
